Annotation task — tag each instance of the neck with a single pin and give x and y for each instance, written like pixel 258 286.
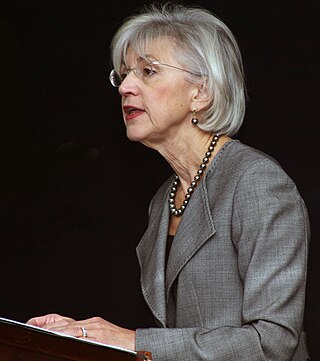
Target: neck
pixel 178 211
pixel 186 154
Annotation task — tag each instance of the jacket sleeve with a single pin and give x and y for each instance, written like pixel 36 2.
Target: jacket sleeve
pixel 270 230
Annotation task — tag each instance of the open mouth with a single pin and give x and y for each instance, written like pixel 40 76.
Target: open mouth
pixel 129 110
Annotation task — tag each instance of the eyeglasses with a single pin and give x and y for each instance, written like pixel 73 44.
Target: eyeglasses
pixel 144 70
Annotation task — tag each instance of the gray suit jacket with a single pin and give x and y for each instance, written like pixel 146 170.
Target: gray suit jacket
pixel 238 265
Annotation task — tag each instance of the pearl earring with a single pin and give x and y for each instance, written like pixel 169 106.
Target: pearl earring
pixel 194 119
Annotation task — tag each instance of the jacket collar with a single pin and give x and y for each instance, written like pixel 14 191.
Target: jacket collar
pixel 190 236
pixel 156 282
pixel 151 257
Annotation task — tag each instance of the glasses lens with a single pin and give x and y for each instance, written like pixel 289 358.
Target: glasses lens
pixel 114 78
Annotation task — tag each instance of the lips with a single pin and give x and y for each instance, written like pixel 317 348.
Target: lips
pixel 132 111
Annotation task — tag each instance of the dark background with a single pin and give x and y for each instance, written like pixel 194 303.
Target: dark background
pixel 75 191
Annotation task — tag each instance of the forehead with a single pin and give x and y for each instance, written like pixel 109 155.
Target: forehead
pixel 158 49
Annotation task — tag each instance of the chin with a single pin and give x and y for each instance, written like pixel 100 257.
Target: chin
pixel 135 136
pixel 145 134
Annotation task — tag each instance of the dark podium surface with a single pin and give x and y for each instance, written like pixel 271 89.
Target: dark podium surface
pixel 21 342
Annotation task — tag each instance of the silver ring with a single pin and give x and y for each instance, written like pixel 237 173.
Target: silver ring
pixel 84 332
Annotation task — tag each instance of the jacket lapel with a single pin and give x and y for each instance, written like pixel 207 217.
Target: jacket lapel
pixel 190 236
pixel 151 256
pixel 156 282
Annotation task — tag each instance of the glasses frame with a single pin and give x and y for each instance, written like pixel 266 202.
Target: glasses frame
pixel 114 74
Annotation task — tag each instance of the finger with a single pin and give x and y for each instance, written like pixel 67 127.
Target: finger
pixel 61 323
pixel 73 329
pixel 41 321
pixel 81 329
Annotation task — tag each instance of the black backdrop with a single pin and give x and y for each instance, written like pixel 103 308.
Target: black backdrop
pixel 75 191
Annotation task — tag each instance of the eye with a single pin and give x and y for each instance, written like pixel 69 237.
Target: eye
pixel 123 73
pixel 148 70
pixel 122 76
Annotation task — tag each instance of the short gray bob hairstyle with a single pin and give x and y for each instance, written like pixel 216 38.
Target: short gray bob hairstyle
pixel 204 45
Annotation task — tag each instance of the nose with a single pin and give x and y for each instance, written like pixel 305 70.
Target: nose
pixel 129 84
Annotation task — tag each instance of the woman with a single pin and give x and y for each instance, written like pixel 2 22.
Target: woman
pixel 224 258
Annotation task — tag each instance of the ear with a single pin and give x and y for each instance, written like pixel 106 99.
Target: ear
pixel 200 96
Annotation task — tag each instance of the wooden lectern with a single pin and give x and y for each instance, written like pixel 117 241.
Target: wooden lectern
pixel 21 342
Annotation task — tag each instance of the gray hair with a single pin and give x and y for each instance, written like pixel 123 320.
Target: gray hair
pixel 204 45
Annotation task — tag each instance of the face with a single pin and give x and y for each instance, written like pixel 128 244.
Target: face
pixel 157 104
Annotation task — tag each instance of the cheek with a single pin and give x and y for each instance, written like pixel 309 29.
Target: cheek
pixel 168 100
pixel 158 102
pixel 169 97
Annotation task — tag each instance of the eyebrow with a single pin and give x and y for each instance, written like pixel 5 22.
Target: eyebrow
pixel 137 60
pixel 145 57
pixel 151 57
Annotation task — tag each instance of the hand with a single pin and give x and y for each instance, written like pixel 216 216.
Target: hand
pixel 51 318
pixel 98 329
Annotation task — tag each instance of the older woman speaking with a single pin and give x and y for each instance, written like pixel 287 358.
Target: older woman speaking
pixel 224 258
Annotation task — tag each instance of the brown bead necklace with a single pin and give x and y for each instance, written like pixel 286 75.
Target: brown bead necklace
pixel 178 212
